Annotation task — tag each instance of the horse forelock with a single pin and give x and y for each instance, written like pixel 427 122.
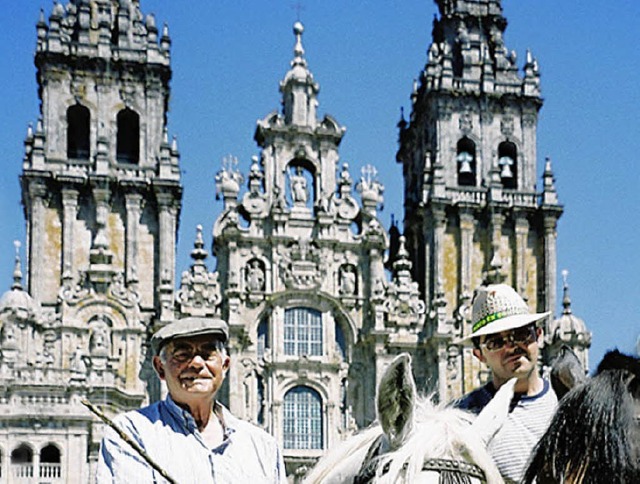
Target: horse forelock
pixel 438 433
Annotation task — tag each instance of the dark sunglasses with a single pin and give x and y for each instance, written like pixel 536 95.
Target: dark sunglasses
pixel 525 335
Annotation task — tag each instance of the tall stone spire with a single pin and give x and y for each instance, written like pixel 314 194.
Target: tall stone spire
pixel 299 88
pixel 568 329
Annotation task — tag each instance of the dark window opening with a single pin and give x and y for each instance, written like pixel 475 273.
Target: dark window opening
pixel 466 162
pixel 508 163
pixel 128 142
pixel 78 122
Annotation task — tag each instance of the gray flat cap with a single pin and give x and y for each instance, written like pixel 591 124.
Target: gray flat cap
pixel 186 327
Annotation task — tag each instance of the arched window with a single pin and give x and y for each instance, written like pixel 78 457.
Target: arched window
pixel 466 162
pixel 508 162
pixel 302 332
pixel 128 142
pixel 50 462
pixel 78 122
pixel 22 461
pixel 302 419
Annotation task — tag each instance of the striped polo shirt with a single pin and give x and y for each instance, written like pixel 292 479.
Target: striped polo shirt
pixel 528 420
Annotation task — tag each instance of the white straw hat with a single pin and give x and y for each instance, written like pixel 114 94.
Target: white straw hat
pixel 497 308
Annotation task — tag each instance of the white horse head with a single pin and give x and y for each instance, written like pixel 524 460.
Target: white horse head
pixel 416 441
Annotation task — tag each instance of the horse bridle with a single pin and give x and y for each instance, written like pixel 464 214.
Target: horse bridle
pixel 451 471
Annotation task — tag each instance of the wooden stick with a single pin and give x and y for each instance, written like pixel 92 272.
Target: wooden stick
pixel 134 445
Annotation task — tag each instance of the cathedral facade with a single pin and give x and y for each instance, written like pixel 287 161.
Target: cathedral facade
pixel 319 296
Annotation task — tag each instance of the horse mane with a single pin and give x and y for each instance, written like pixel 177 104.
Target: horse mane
pixel 333 461
pixel 594 436
pixel 438 431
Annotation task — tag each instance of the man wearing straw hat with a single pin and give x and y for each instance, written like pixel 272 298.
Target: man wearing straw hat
pixel 506 338
pixel 189 437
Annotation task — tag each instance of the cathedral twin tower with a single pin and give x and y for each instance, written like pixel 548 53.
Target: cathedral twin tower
pixel 316 301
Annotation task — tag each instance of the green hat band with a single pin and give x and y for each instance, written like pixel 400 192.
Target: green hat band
pixel 490 318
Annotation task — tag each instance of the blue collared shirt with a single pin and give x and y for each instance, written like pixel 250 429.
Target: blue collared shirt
pixel 170 436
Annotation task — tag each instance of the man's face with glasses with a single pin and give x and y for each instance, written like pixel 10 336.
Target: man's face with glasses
pixel 509 354
pixel 519 336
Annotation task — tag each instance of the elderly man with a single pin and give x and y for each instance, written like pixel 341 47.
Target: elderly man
pixel 190 435
pixel 506 338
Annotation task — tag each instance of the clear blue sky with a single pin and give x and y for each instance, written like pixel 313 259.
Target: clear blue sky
pixel 229 56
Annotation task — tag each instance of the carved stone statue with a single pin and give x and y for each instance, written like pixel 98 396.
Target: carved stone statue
pixel 99 343
pixel 347 280
pixel 255 276
pixel 299 190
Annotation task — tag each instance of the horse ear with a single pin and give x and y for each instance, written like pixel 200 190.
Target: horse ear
pixel 396 400
pixel 495 413
pixel 566 371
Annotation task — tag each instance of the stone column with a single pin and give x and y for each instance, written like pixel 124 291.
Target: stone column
pixel 496 266
pixel 37 239
pixel 550 263
pixel 439 226
pixel 133 203
pixel 167 236
pixel 520 257
pixel 69 211
pixel 101 196
pixel 465 215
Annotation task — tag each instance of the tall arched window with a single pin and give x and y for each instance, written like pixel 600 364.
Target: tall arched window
pixel 78 129
pixel 50 462
pixel 22 462
pixel 466 162
pixel 128 142
pixel 508 162
pixel 302 332
pixel 302 419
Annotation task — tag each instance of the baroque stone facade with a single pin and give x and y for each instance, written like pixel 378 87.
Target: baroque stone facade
pixel 318 295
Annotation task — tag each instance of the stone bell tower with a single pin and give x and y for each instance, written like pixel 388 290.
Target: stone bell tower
pixel 101 194
pixel 473 210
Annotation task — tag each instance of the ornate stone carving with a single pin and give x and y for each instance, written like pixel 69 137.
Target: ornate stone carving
pixel 199 293
pixel 507 125
pixel 255 276
pixel 465 123
pixel 403 304
pixel 299 266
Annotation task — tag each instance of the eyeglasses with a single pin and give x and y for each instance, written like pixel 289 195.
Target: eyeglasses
pixel 525 335
pixel 184 353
